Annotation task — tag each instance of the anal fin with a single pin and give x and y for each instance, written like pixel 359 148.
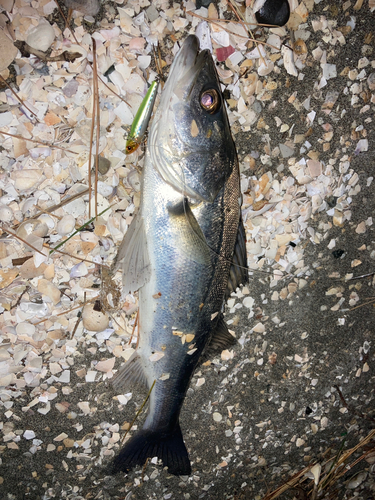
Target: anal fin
pixel 130 373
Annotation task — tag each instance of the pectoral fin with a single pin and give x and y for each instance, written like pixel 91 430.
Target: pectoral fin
pixel 187 233
pixel 133 257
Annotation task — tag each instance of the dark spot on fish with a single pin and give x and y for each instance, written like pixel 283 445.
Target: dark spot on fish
pixel 292 244
pixel 338 253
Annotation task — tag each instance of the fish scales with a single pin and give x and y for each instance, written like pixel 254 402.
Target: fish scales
pixel 178 253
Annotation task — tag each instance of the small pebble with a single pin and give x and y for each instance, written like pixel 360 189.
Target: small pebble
pixel 103 165
pixel 259 328
pixel 41 37
pixel 95 321
pixel 8 51
pixel 371 81
pixel 87 7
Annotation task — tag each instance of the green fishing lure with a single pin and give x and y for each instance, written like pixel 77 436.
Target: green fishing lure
pixel 141 119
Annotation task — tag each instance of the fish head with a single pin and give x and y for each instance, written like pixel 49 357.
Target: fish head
pixel 190 140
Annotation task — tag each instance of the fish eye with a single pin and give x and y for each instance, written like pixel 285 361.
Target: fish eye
pixel 210 100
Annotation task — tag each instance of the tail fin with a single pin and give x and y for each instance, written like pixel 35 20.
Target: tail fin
pixel 146 443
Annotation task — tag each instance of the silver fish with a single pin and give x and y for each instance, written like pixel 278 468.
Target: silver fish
pixel 184 251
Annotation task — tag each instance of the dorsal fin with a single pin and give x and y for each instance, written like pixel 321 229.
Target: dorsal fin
pixel 221 339
pixel 238 274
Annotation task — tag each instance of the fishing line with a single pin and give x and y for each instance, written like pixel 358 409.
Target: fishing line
pixel 218 255
pixel 138 412
pixel 185 195
pixel 186 200
pixel 222 257
pixel 249 270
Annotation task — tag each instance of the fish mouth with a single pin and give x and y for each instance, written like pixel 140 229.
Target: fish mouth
pixel 186 56
pixel 184 70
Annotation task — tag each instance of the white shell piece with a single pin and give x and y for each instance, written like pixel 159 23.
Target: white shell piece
pixel 33 226
pixel 79 270
pixel 66 225
pixel 144 61
pixel 221 38
pixel 202 31
pixel 6 214
pixel 124 113
pixel 289 61
pixel 8 50
pixel 41 37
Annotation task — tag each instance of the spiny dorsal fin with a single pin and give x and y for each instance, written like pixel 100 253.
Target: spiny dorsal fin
pixel 221 339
